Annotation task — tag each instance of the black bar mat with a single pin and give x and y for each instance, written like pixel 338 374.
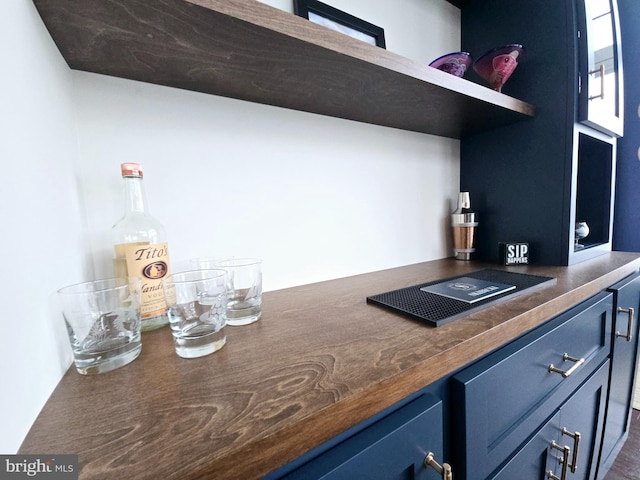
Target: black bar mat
pixel 437 310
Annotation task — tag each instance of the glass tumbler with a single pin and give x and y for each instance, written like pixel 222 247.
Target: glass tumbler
pixel 197 301
pixel 103 323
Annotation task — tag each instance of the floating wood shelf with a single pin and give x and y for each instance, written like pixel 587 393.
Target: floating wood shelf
pixel 247 50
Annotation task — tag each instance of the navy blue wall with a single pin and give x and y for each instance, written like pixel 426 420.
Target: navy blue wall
pixel 626 231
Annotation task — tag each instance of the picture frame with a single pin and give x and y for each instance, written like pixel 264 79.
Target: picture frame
pixel 334 19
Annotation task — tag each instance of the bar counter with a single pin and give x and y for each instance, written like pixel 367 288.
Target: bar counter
pixel 320 361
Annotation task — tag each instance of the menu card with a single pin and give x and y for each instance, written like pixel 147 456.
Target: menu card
pixel 468 289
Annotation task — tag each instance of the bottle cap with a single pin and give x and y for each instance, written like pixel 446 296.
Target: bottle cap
pixel 131 169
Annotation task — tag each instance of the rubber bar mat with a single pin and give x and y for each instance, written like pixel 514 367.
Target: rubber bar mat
pixel 437 310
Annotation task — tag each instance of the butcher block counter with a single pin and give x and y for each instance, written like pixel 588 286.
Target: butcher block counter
pixel 320 361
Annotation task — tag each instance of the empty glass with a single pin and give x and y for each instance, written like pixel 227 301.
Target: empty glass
pixel 103 323
pixel 245 290
pixel 197 302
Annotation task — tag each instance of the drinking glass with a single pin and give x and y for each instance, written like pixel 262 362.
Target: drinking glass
pixel 103 323
pixel 244 289
pixel 197 302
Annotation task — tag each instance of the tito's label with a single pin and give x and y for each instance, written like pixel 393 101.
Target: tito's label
pixel 150 263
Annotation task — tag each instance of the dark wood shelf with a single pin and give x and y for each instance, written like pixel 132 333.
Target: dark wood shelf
pixel 247 50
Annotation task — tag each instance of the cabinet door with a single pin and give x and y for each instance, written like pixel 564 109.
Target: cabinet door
pixel 576 427
pixel 601 85
pixel 506 396
pixel 583 415
pixel 537 457
pixel 393 448
pixel 623 368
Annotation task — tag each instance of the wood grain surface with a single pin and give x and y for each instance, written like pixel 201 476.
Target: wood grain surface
pixel 320 361
pixel 247 50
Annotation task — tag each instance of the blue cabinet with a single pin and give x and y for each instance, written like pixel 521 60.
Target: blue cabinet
pixel 536 457
pixel 623 368
pixel 569 442
pixel 509 394
pixel 581 421
pixel 627 220
pixel 553 403
pixel 533 182
pixel 393 448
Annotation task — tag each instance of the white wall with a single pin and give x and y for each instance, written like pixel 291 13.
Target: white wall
pixel 315 197
pixel 43 233
pixel 421 30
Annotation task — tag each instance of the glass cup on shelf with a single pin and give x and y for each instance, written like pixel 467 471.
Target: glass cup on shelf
pixel 197 302
pixel 244 289
pixel 103 323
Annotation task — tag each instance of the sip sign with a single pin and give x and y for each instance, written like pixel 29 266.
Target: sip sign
pixel 514 253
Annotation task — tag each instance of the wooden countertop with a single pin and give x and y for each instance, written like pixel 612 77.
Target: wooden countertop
pixel 320 361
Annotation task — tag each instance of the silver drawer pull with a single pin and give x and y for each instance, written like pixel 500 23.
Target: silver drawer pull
pixel 631 312
pixel 444 469
pixel 566 451
pixel 576 447
pixel 566 373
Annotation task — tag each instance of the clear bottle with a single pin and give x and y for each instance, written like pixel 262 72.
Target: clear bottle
pixel 141 249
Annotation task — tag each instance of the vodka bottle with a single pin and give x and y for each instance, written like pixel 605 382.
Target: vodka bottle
pixel 141 249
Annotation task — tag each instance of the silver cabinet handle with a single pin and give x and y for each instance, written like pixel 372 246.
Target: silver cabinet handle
pixel 601 71
pixel 444 469
pixel 629 335
pixel 566 373
pixel 576 447
pixel 566 451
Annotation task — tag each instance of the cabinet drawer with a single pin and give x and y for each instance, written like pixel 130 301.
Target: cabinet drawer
pixel 394 447
pixel 504 397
